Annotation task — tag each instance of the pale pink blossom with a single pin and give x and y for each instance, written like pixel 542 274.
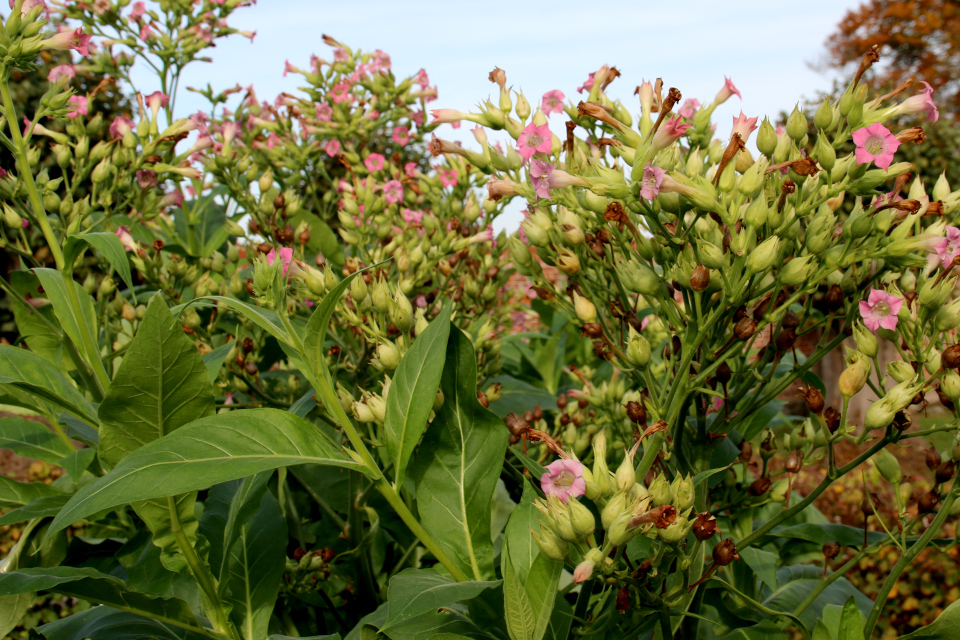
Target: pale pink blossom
pixel 880 310
pixel 412 217
pixel 401 135
pixel 393 191
pixel 875 143
pixel 289 68
pixel 417 117
pixel 583 571
pixel 332 148
pixel 650 183
pixel 146 33
pixel 120 127
pixel 156 101
pixel 744 126
pixel 341 93
pixel 920 103
pixel 286 255
pixel 62 71
pixel 447 116
pixel 727 91
pixel 79 105
pixel 410 169
pixel 374 162
pixel 534 139
pixel 564 479
pixel 340 55
pixel 422 79
pixel 948 248
pixel 66 39
pixel 689 108
pixel 28 5
pixel 540 177
pixel 483 236
pixel 586 86
pixel 129 244
pixel 139 8
pixel 448 178
pixel 552 102
pixel 380 61
pixel 146 178
pixel 324 112
pixel 671 130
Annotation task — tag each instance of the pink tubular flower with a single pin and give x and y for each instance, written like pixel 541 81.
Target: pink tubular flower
pixel 333 148
pixel 146 178
pixel 875 143
pixel 447 116
pixel 79 105
pixel 401 135
pixel 324 112
pixel 448 178
pixel 586 86
pixel 552 102
pixel 422 79
pixel 289 68
pixel 880 310
pixel 393 191
pixel 410 169
pixel 156 101
pixel 412 217
pixel 669 132
pixel 948 248
pixel 139 8
pixel 129 244
pixel 64 40
pixel 28 6
pixel 650 183
pixel 286 254
pixel 341 93
pixel 374 162
pixel 744 126
pixel 61 71
pixel 920 103
pixel 727 91
pixel 540 177
pixel 689 108
pixel 120 127
pixel 564 479
pixel 534 139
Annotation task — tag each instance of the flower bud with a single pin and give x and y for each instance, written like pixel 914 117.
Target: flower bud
pixel 620 532
pixel 948 318
pixel 888 467
pixel 866 340
pixel 796 124
pixel 581 518
pixel 711 255
pixel 683 492
pixel 388 354
pixel 584 570
pixel 900 371
pixel 941 190
pixel 823 118
pixel 660 491
pixel 638 349
pixel 756 214
pixel 363 413
pixel 601 474
pixel 764 256
pixel 855 375
pixel 626 474
pixel 778 492
pixel 614 508
pixel 798 270
pixel 551 545
pixel 401 312
pixel 586 311
pixel 676 531
pixel 766 138
pixel 950 385
pixel 935 292
pixel 824 152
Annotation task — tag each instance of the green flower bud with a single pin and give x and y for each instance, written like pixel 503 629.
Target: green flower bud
pixel 683 492
pixel 401 312
pixel 798 270
pixel 824 152
pixel 615 507
pixel 941 190
pixel 950 385
pixel 764 256
pixel 711 255
pixel 388 355
pixel 551 545
pixel 796 124
pixel 620 532
pixel 601 474
pixel 102 172
pixel 778 492
pixel 900 371
pixel 363 413
pixel 766 138
pixel 905 492
pixel 888 467
pixel 266 180
pixel 660 491
pixel 626 474
pixel 358 288
pixel 756 214
pixel 933 293
pixel 638 349
pixel 11 218
pixel 948 318
pixel 421 326
pixel 855 375
pixel 107 286
pixel 586 311
pixel 866 340
pixel 823 118
pixel 581 518
pixel 676 531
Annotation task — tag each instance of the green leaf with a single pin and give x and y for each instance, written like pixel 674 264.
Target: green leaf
pixel 851 622
pixel 413 592
pixel 32 439
pixel 704 475
pixel 413 391
pixel 458 464
pixel 214 360
pixel 525 518
pixel 821 534
pixel 99 588
pixel 158 515
pixel 763 563
pixel 536 469
pixel 335 636
pixel 42 507
pixel 77 462
pixel 207 452
pixel 263 318
pixel 820 632
pixel 17 494
pixel 518 396
pixel 38 328
pixel 316 334
pixel 107 623
pixel 945 627
pixel 213 520
pixel 764 631
pixel 796 583
pixel 106 243
pixel 254 564
pixel 161 385
pixel 55 288
pixel 45 385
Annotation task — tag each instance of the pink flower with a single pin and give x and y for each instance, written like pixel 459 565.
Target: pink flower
pixel 380 61
pixel 422 79
pixel 880 310
pixel 146 178
pixel 120 127
pixel 333 148
pixel 689 108
pixel 146 32
pixel 412 217
pixel 948 248
pixel 129 244
pixel 341 93
pixel 289 68
pixel 564 479
pixel 417 117
pixel 286 254
pixel 586 86
pixel 669 132
pixel 374 162
pixel 401 135
pixel 552 102
pixel 139 8
pixel 448 178
pixel 650 183
pixel 340 55
pixel 920 103
pixel 540 177
pixel 79 105
pixel 393 191
pixel 534 139
pixel 410 169
pixel 229 396
pixel 447 116
pixel 324 112
pixel 875 143
pixel 64 40
pixel 156 101
pixel 727 91
pixel 61 71
pixel 744 126
pixel 28 5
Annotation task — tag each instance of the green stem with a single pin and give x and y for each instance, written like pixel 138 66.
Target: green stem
pixel 583 601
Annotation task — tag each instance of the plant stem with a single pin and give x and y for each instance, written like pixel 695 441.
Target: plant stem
pixel 583 601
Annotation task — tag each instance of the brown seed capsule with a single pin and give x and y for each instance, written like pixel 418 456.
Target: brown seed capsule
pixel 636 412
pixel 745 328
pixel 623 598
pixel 583 403
pixel 279 202
pixel 724 373
pixel 528 415
pixel 592 330
pixel 814 399
pixel 482 398
pixel 834 298
pixel 902 420
pixel 250 368
pixel 832 417
pixel 157 245
pixel 760 486
pixel 240 360
pixel 725 552
pixel 790 320
pixel 945 471
pixel 867 506
pixel 304 238
pixel 565 420
pixel 950 358
pixel 513 439
pixel 932 458
pixel 831 550
pixel 537 412
pixel 786 339
pixel 746 451
pixel 705 526
pixel 700 278
pixel 928 502
pixel 247 345
pixel 794 461
pixel 516 425
pixel 254 227
pixel 562 401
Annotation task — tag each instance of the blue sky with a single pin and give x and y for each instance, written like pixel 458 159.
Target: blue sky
pixel 765 47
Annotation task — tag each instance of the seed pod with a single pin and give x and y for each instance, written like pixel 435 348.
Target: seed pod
pixel 786 339
pixel 794 461
pixel 724 373
pixel 832 417
pixel 592 330
pixel 902 421
pixel 482 399
pixel 831 550
pixel 705 526
pixel 928 502
pixel 562 402
pixel 516 425
pixel 932 458
pixel 867 506
pixel 760 486
pixel 945 471
pixel 814 399
pixel 950 358
pixel 746 451
pixel 790 320
pixel 725 552
pixel 745 328
pixel 636 412
pixel 700 278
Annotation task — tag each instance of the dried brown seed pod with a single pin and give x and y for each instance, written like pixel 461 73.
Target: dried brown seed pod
pixel 831 550
pixel 700 278
pixel 794 461
pixel 760 486
pixel 705 526
pixel 745 328
pixel 725 552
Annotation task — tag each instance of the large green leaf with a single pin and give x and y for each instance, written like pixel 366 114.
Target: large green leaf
pixel 42 507
pixel 207 452
pixel 107 623
pixel 518 396
pixel 851 622
pixel 413 391
pixel 55 288
pixel 529 577
pixel 263 318
pixel 764 631
pixel 313 344
pixel 254 560
pixel 99 588
pixel 458 464
pixel 45 386
pixel 17 494
pixel 38 327
pixel 214 360
pixel 796 583
pixel 32 439
pixel 159 515
pixel 213 521
pixel 763 563
pixel 107 244
pixel 945 627
pixel 413 592
pixel 821 534
pixel 161 385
